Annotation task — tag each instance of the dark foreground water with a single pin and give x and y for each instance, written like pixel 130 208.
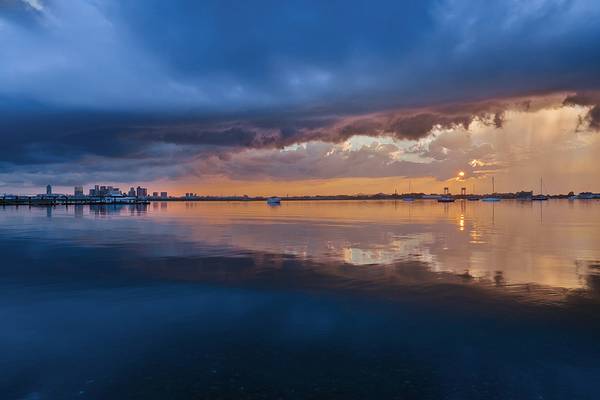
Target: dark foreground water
pixel 306 300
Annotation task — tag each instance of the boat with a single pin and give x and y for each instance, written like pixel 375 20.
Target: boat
pixel 540 197
pixel 586 196
pixel 446 199
pixel 473 198
pixel 274 201
pixel 408 198
pixel 491 198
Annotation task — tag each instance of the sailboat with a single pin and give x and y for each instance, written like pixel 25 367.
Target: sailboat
pixel 540 197
pixel 409 197
pixel 473 197
pixel 492 197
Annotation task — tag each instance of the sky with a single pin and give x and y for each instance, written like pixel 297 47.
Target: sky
pixel 300 97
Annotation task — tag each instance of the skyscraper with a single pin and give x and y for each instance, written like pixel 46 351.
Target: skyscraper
pixel 78 191
pixel 141 192
pixel 49 189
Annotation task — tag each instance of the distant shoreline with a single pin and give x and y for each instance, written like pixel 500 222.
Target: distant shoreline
pixel 70 200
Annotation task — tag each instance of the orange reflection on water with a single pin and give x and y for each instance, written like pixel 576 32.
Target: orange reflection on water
pixel 521 242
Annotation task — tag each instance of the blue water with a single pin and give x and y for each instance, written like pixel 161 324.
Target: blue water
pixel 187 300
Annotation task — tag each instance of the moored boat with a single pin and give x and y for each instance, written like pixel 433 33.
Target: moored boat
pixel 446 199
pixel 540 197
pixel 492 198
pixel 586 196
pixel 274 200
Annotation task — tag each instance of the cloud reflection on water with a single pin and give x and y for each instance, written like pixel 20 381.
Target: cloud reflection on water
pixel 551 244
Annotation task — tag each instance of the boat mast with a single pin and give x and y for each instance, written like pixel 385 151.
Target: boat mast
pixel 493 186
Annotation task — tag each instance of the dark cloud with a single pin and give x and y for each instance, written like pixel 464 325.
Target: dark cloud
pixel 591 100
pixel 108 145
pixel 216 56
pixel 141 84
pixel 60 136
pixel 593 117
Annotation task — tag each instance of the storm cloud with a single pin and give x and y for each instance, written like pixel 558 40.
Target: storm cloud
pixel 150 89
pixel 590 100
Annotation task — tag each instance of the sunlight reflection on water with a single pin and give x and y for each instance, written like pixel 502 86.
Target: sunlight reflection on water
pixel 552 243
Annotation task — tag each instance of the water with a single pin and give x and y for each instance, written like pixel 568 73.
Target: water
pixel 304 300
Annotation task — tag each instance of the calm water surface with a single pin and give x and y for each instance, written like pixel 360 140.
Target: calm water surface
pixel 305 300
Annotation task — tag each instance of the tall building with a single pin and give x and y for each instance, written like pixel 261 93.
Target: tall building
pixel 163 195
pixel 141 192
pixel 103 191
pixel 154 194
pixel 78 191
pixel 131 192
pixel 49 189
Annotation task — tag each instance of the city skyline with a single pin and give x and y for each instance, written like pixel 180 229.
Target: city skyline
pixel 143 192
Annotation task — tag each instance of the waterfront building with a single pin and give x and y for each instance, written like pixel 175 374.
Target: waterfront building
pixel 102 191
pixel 164 195
pixel 141 192
pixel 154 194
pixel 49 189
pixel 78 191
pixel 131 192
